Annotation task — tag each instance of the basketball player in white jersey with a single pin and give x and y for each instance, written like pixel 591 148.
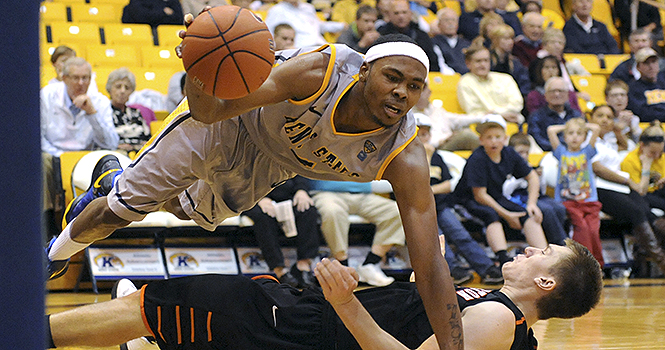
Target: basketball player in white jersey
pixel 329 114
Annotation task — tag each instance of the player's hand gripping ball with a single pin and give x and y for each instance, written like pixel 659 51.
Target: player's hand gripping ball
pixel 228 52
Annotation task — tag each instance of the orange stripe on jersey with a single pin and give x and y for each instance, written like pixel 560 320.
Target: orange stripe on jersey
pixel 191 317
pixel 520 321
pixel 269 277
pixel 143 316
pixel 209 328
pixel 326 78
pixel 159 322
pixel 392 155
pixel 177 322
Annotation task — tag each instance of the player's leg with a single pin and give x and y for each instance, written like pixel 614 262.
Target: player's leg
pixel 100 325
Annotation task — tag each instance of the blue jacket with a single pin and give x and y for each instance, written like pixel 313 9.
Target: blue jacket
pixel 596 42
pixel 647 100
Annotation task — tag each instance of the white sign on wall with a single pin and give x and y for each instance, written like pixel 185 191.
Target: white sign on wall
pixel 116 263
pixel 188 261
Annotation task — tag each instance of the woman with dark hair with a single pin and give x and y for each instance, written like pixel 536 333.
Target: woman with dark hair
pixel 540 70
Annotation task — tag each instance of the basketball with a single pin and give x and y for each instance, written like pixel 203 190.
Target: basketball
pixel 228 52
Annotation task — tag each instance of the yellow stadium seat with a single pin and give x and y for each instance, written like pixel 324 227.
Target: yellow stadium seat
pixel 167 34
pixel 552 19
pixel 114 2
pixel 47 49
pixel 594 85
pixel 444 88
pixel 453 4
pixel 555 6
pixel 101 76
pixel 52 11
pixel 644 125
pixel 77 33
pixel 157 56
pixel 46 73
pixel 153 78
pixel 156 126
pixel 102 13
pixel 161 115
pixel 139 35
pixel 113 55
pixel 463 154
pixel 535 158
pixel 602 12
pixel 69 2
pixel 261 14
pixel 589 61
pixel 612 61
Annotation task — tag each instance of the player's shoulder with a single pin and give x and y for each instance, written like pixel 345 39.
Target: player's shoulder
pixel 491 319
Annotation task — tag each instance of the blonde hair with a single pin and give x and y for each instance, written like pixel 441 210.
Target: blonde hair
pixel 501 31
pixel 575 122
pixel 488 18
pixel 553 33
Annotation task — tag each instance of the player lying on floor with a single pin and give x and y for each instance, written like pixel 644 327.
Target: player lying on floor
pixel 235 312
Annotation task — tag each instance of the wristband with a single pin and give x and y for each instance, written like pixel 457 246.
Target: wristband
pixel 646 173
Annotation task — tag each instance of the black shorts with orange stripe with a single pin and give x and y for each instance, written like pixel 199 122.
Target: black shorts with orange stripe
pixel 235 312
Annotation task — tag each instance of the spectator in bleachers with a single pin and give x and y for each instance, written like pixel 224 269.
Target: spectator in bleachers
pixel 361 33
pixel 502 60
pixel 399 20
pixel 449 42
pixel 469 25
pixel 553 43
pixel 449 131
pixel 285 37
pixel 268 231
pixel 646 97
pixel 302 17
pixel 449 225
pixel 346 11
pixel 540 71
pixel 618 193
pixel 153 12
pixel 489 21
pixel 554 213
pixel 335 201
pixel 73 119
pixel 627 70
pixel 482 91
pixel 529 43
pixel 59 55
pixel 646 165
pixel 648 19
pixel 132 126
pixel 586 35
pixel 616 96
pixel 552 18
pixel 557 112
pixel 509 14
pixel 576 182
pixel 246 4
pixel 480 189
pixel 196 6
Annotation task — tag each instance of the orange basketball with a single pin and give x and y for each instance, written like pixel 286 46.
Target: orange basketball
pixel 228 52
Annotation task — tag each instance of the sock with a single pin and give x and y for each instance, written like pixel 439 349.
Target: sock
pixel 502 255
pixel 64 247
pixel 372 259
pixel 344 262
pixel 49 337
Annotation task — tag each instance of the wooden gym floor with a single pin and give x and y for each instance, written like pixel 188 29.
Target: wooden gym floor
pixel 630 315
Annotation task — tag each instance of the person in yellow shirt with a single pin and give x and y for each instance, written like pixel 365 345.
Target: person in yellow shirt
pixel 646 165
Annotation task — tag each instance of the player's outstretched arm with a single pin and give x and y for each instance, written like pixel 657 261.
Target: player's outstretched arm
pixel 307 70
pixel 338 283
pixel 409 175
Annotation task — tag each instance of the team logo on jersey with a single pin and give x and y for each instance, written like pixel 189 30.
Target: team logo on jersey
pixel 368 148
pixel 106 261
pixel 183 261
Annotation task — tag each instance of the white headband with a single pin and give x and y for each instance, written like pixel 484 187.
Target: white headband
pixel 397 48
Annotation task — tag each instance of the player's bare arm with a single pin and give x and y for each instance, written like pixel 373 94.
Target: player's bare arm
pixel 308 70
pixel 409 175
pixel 488 326
pixel 338 283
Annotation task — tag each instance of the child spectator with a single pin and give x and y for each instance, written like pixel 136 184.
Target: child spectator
pixel 449 225
pixel 576 184
pixel 554 213
pixel 646 165
pixel 480 190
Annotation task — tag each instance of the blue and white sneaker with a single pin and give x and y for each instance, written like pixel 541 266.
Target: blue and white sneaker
pixel 101 183
pixel 120 289
pixel 55 268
